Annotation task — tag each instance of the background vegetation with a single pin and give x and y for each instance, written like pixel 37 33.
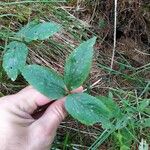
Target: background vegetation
pixel 128 82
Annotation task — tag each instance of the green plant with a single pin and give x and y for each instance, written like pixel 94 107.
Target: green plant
pixel 87 109
pixel 120 122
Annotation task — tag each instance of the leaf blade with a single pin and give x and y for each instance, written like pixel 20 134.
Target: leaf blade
pixel 112 106
pixel 78 64
pixel 38 31
pixel 45 80
pixel 14 58
pixel 87 109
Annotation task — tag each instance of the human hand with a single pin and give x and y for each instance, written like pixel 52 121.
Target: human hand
pixel 19 130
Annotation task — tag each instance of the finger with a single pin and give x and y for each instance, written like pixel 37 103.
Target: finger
pixel 51 118
pixel 40 111
pixel 54 114
pixel 78 90
pixel 57 110
pixel 30 99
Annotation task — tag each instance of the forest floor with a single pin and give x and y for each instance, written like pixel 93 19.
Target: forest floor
pixel 127 81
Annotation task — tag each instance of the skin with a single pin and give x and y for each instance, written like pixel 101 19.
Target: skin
pixel 19 130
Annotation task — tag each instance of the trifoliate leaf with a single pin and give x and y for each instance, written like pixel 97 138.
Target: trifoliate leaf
pixel 78 64
pixel 38 31
pixel 14 58
pixel 45 80
pixel 87 109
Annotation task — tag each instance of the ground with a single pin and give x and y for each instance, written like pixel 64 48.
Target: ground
pixel 128 80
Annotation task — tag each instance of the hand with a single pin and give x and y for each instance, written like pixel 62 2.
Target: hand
pixel 19 130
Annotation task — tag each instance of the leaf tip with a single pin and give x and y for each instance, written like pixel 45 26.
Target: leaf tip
pixel 13 79
pixel 93 40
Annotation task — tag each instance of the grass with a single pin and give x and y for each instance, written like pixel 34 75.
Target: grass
pixel 128 81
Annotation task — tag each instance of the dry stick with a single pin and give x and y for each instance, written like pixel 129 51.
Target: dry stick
pixel 81 131
pixel 93 84
pixel 115 26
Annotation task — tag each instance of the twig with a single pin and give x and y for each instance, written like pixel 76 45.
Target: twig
pixel 145 89
pixel 84 132
pixel 93 84
pixel 29 1
pixel 142 52
pixel 115 26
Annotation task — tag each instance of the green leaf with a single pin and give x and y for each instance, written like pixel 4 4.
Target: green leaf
pixel 124 138
pixel 111 105
pixel 45 80
pixel 102 23
pixel 147 110
pixel 78 64
pixel 38 31
pixel 143 104
pixel 14 58
pixel 121 123
pixel 146 122
pixel 87 109
pixel 124 147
